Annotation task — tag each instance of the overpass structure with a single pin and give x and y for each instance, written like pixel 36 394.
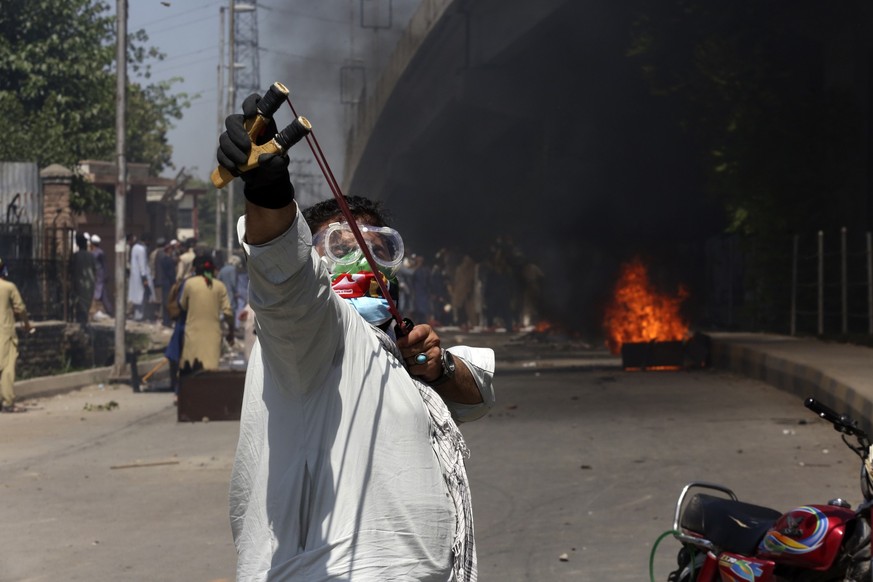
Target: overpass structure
pixel 503 120
pixel 513 118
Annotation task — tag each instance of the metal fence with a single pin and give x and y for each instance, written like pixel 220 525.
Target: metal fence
pixel 39 266
pixel 832 283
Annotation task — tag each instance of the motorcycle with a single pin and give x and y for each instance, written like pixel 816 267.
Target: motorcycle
pixel 725 539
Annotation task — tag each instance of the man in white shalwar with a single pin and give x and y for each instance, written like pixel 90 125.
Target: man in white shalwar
pixel 141 286
pixel 349 465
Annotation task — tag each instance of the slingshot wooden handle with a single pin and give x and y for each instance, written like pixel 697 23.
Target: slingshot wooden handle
pixel 267 106
pixel 294 132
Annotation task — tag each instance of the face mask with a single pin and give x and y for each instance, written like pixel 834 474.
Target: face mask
pixel 373 309
pixel 359 267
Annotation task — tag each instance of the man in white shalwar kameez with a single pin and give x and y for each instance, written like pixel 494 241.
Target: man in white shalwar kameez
pixel 141 286
pixel 349 465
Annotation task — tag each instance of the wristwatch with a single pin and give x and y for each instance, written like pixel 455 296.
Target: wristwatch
pixel 448 361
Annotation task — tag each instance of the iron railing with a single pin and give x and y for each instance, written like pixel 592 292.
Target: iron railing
pixel 39 267
pixel 832 283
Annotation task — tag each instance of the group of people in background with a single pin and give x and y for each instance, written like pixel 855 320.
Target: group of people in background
pixel 90 294
pixel 501 292
pixel 175 284
pixel 151 270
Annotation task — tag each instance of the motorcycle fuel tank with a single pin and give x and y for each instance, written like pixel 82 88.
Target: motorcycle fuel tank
pixel 736 567
pixel 808 536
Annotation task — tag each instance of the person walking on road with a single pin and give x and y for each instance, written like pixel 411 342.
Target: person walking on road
pixel 154 309
pixel 165 276
pixel 84 280
pixel 186 259
pixel 11 308
pixel 229 275
pixel 204 300
pixel 141 287
pixel 101 289
pixel 350 465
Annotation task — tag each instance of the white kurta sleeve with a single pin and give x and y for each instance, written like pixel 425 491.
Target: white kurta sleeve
pixel 298 316
pixel 480 362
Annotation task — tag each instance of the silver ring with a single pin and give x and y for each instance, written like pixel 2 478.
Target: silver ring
pixel 421 358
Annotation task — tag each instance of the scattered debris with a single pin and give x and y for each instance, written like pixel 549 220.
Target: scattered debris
pixel 111 405
pixel 137 465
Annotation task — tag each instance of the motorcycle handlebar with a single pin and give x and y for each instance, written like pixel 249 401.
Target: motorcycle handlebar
pixel 841 422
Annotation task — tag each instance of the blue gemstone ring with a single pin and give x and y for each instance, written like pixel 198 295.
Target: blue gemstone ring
pixel 421 359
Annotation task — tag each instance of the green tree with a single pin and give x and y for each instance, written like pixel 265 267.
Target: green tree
pixel 57 90
pixel 779 146
pixel 779 135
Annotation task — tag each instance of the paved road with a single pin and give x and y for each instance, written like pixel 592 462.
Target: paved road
pixel 590 464
pixel 584 463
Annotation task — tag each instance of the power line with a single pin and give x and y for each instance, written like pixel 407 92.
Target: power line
pixel 174 61
pixel 206 91
pixel 301 14
pixel 178 14
pixel 162 70
pixel 163 30
pixel 302 57
pixel 201 100
pixel 169 59
pixel 189 53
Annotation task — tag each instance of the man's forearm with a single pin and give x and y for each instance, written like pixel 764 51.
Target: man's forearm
pixel 266 224
pixel 462 388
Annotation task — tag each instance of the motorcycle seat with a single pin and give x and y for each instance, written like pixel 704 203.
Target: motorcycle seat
pixel 731 525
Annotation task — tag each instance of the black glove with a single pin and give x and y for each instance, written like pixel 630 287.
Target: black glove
pixel 268 184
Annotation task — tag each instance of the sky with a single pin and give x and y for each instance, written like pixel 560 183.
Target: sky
pixel 304 44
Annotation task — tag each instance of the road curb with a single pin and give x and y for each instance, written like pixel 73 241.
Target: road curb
pixel 45 386
pixel 794 377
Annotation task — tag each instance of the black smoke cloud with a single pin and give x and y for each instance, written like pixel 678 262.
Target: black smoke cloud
pixel 554 142
pixel 305 45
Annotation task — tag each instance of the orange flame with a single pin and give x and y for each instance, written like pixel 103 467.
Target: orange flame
pixel 542 326
pixel 638 313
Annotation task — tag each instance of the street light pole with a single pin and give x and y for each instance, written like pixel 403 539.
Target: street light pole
pixel 222 112
pixel 120 184
pixel 231 105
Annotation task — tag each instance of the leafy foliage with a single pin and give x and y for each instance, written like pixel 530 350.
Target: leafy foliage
pixel 57 90
pixel 763 90
pixel 780 145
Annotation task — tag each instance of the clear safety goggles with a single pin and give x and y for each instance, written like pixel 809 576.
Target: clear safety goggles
pixel 338 246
